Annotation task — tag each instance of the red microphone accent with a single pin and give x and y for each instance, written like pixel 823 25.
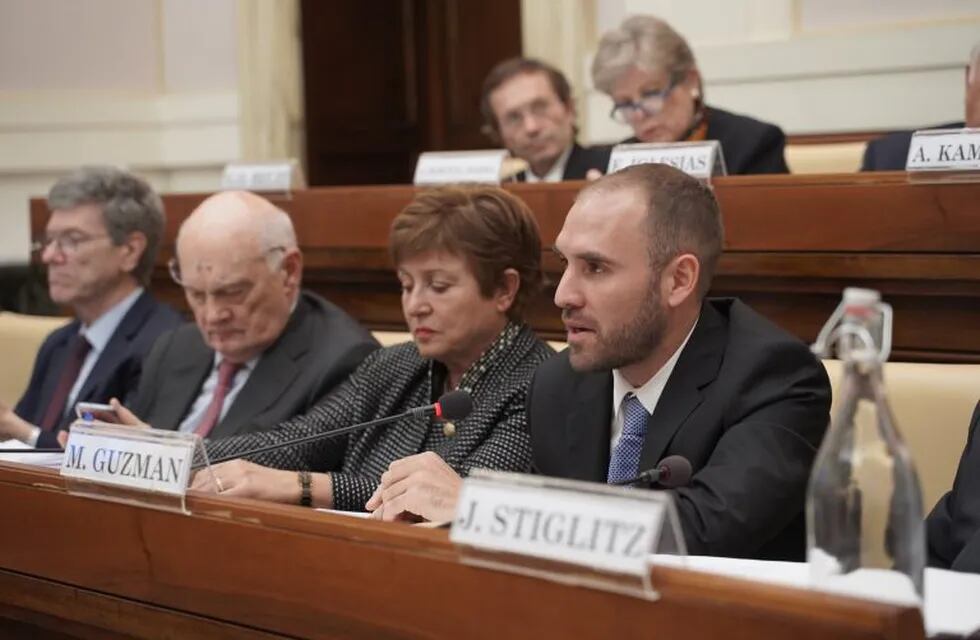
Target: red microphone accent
pixel 438 408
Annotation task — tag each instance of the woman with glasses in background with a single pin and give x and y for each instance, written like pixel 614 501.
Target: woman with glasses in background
pixel 649 71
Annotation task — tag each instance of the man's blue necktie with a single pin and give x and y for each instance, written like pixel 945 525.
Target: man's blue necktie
pixel 626 457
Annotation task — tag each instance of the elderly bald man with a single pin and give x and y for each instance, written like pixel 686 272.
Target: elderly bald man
pixel 263 350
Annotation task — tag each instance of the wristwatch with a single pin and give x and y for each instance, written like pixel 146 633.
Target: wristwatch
pixel 306 489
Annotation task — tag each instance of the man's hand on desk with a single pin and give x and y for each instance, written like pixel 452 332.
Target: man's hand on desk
pixel 244 479
pixel 126 417
pixel 12 426
pixel 422 485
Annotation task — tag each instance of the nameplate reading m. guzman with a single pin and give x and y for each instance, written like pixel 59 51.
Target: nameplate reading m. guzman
pixel 698 159
pixel 612 530
pixel 944 150
pixel 449 167
pixel 144 459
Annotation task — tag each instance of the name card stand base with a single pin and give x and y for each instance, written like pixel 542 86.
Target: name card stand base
pixel 143 467
pixel 576 533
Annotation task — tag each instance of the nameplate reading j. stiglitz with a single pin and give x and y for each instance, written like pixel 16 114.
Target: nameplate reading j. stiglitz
pixel 698 159
pixel 144 459
pixel 448 167
pixel 944 150
pixel 610 531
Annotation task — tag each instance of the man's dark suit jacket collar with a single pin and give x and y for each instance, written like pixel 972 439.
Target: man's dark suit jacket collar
pixel 116 350
pixel 580 160
pixel 274 372
pixel 587 428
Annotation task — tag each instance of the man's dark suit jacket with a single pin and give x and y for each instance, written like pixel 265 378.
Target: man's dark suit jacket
pixel 320 346
pixel 747 404
pixel 953 527
pixel 580 160
pixel 749 145
pixel 116 373
pixel 890 152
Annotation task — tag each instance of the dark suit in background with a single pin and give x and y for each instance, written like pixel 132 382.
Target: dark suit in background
pixel 749 145
pixel 953 527
pixel 116 373
pixel 319 347
pixel 747 404
pixel 889 153
pixel 580 160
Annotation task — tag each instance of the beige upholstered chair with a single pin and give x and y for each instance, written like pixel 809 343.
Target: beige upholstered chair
pixel 932 404
pixel 20 338
pixel 833 157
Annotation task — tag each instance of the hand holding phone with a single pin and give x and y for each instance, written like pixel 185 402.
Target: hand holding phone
pixel 93 411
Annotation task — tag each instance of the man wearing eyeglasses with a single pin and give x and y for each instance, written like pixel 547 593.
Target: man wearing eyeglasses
pixel 650 73
pixel 99 248
pixel 262 350
pixel 527 107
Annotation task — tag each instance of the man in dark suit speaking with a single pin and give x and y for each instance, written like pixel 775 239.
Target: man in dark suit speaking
pixel 653 369
pixel 99 247
pixel 527 107
pixel 263 350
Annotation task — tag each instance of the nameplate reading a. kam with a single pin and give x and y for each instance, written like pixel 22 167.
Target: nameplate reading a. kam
pixel 698 159
pixel 604 528
pixel 944 150
pixel 449 167
pixel 142 459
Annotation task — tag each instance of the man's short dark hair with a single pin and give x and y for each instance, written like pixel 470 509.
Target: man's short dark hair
pixel 682 212
pixel 508 69
pixel 128 204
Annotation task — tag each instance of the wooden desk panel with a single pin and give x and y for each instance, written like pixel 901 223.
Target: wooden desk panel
pixel 85 567
pixel 792 244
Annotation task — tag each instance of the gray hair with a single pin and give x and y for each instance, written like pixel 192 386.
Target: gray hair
pixel 128 205
pixel 645 42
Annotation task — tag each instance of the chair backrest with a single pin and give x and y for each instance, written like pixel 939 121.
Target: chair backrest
pixel 20 338
pixel 832 157
pixel 932 404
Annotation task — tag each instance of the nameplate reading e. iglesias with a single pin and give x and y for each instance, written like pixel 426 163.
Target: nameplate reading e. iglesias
pixel 608 532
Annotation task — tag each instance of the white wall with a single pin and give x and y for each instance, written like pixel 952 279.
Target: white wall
pixel 148 84
pixel 811 66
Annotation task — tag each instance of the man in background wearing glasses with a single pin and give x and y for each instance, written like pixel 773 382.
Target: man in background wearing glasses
pixel 262 350
pixel 99 248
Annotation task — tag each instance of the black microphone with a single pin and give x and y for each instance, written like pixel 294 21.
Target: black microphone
pixel 454 405
pixel 671 472
pixel 32 450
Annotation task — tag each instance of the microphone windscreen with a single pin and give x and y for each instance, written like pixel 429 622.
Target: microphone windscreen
pixel 675 471
pixel 455 405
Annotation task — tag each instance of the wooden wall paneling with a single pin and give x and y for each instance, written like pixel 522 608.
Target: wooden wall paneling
pixel 792 244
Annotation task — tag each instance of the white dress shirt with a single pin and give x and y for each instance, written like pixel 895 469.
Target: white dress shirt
pixel 555 174
pixel 648 395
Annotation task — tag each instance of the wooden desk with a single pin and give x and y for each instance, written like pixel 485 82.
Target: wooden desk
pixel 72 567
pixel 792 244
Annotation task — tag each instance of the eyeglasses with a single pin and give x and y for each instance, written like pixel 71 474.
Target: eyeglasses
pixel 650 104
pixel 173 266
pixel 67 243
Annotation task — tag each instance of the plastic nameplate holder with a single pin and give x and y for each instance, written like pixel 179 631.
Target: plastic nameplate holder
pixel 944 155
pixel 145 467
pixel 568 531
pixel 454 167
pixel 280 177
pixel 702 160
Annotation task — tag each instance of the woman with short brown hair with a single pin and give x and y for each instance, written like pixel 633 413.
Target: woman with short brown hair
pixel 468 259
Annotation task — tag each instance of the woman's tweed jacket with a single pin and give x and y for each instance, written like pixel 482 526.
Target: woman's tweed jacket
pixel 393 380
